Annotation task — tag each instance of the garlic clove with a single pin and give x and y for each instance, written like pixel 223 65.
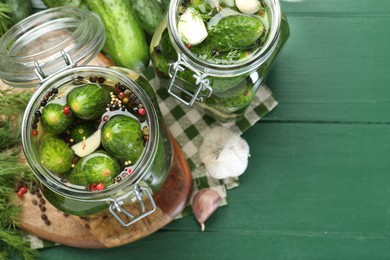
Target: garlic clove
pixel 204 203
pixel 224 153
pixel 87 146
pixel 248 6
pixel 191 27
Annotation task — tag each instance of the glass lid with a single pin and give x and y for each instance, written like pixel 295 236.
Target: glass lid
pixel 45 40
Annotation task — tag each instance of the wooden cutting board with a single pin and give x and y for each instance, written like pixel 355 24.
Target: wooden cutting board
pixel 103 230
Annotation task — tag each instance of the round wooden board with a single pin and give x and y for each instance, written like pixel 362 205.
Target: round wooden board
pixel 103 230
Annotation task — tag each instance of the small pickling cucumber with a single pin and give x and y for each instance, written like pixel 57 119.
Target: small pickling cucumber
pixel 54 120
pixel 55 154
pixel 98 167
pixel 89 101
pixel 236 99
pixel 82 131
pixel 122 137
pixel 236 31
pixel 125 38
pixel 149 13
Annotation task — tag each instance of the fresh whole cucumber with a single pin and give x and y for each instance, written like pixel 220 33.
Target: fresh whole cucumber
pixel 56 3
pixel 149 13
pixel 125 39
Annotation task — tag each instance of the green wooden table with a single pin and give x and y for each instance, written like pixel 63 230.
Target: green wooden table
pixel 318 182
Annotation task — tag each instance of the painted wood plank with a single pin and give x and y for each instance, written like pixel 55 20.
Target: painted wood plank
pixel 335 7
pixel 334 68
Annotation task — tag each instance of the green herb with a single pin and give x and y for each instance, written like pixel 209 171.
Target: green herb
pixel 12 171
pixel 5 18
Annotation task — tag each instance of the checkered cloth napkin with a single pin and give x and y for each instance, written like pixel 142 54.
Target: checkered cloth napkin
pixel 188 125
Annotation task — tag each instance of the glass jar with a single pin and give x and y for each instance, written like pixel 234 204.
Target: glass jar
pixel 222 87
pixel 130 97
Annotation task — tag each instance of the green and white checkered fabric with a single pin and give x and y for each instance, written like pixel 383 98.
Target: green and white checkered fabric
pixel 188 125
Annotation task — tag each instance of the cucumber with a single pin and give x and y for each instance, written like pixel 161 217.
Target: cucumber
pixel 54 120
pixel 55 154
pixel 20 9
pixel 56 3
pixel 122 137
pixel 89 101
pixel 149 13
pixel 95 168
pixel 165 4
pixel 125 38
pixel 237 31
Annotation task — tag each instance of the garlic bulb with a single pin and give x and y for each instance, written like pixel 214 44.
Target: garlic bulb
pixel 191 27
pixel 204 203
pixel 224 153
pixel 248 6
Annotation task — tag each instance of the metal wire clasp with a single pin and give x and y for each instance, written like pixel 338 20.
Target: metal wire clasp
pixel 68 61
pixel 136 194
pixel 175 86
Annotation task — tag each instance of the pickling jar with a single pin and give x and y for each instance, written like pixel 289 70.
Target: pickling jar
pixel 222 89
pixel 49 50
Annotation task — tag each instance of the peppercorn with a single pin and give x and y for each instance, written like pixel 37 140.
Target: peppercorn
pixel 54 90
pixel 34 132
pixel 141 111
pixel 37 113
pixel 67 111
pixel 93 79
pixel 101 79
pixel 121 95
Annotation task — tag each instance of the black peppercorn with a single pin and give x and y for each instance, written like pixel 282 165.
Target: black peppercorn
pixel 37 113
pixel 101 79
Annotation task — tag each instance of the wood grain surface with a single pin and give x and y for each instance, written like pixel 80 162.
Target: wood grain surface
pixel 102 229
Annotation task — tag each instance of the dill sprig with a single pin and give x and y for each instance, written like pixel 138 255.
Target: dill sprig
pixel 6 20
pixel 12 171
pixel 14 241
pixel 13 103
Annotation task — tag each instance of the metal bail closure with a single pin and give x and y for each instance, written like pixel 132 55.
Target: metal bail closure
pixel 68 61
pixel 176 85
pixel 136 194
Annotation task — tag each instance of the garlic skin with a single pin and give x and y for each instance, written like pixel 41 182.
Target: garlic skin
pixel 204 203
pixel 248 6
pixel 224 153
pixel 191 27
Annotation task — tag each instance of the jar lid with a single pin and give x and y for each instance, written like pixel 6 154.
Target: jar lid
pixel 43 38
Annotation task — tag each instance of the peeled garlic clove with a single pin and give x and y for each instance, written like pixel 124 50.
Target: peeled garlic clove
pixel 191 27
pixel 204 203
pixel 248 6
pixel 87 146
